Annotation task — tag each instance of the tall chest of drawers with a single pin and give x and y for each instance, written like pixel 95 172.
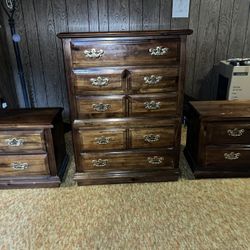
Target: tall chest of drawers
pixel 126 93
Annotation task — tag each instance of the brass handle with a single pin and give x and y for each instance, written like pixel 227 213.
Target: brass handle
pixel 156 160
pixel 100 163
pixel 103 140
pixel 152 80
pixel 158 51
pixel 235 132
pixel 19 165
pixel 14 142
pixel 101 107
pixel 232 156
pixel 93 53
pixel 152 105
pixel 151 138
pixel 100 81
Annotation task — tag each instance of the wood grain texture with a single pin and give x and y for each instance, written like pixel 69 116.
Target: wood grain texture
pixel 135 11
pixel 93 15
pixel 103 15
pixel 165 14
pixel 151 10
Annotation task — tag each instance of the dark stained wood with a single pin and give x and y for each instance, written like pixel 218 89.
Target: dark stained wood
pixel 165 14
pixel 103 15
pixel 135 12
pixel 151 10
pixel 93 15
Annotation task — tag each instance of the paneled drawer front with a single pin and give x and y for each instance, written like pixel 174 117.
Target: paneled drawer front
pixel 153 80
pixel 233 133
pixel 18 165
pixel 152 137
pixel 102 139
pixel 121 53
pixel 98 81
pixel 21 141
pixel 228 157
pixel 126 160
pixel 101 106
pixel 154 105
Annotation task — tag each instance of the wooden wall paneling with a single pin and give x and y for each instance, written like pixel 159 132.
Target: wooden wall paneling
pixel 191 45
pixel 93 15
pixel 151 12
pixel 246 52
pixel 103 15
pixel 179 23
pixel 47 39
pixel 239 28
pixel 118 15
pixel 206 41
pixel 165 14
pixel 30 24
pixel 135 10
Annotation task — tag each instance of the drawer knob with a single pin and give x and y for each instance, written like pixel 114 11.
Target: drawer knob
pixel 152 80
pixel 158 51
pixel 103 140
pixel 99 81
pixel 101 107
pixel 19 165
pixel 235 132
pixel 156 160
pixel 100 163
pixel 151 138
pixel 152 105
pixel 232 156
pixel 14 142
pixel 93 53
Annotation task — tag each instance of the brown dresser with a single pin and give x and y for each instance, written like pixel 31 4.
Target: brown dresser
pixel 126 93
pixel 32 148
pixel 218 139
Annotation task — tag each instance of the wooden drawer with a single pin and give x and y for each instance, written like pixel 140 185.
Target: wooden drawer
pixel 126 160
pixel 225 133
pixel 152 137
pixel 153 80
pixel 97 81
pixel 102 139
pixel 22 141
pixel 101 106
pixel 126 52
pixel 153 105
pixel 23 165
pixel 227 157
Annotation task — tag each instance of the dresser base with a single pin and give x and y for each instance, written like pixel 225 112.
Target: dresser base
pixel 117 177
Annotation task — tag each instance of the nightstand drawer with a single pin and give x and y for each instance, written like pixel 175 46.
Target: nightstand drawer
pixel 22 141
pixel 112 139
pixel 23 165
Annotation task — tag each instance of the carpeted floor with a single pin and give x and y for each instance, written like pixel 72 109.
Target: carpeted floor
pixel 188 214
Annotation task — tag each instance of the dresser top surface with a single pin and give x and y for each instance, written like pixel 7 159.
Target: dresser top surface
pixel 125 34
pixel 222 109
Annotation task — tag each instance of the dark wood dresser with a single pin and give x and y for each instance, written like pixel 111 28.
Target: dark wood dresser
pixel 126 94
pixel 218 139
pixel 32 148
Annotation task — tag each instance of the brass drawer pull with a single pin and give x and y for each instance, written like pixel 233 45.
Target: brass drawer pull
pixel 235 132
pixel 152 105
pixel 100 163
pixel 102 140
pixel 101 107
pixel 19 165
pixel 156 160
pixel 151 138
pixel 93 53
pixel 14 142
pixel 99 81
pixel 232 156
pixel 152 80
pixel 158 51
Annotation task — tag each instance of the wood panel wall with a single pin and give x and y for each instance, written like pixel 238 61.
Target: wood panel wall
pixel 221 30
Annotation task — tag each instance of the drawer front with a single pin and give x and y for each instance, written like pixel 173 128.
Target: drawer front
pixel 233 133
pixel 21 141
pixel 229 157
pixel 126 160
pixel 98 81
pixel 121 53
pixel 23 165
pixel 153 105
pixel 101 106
pixel 102 139
pixel 153 80
pixel 152 137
